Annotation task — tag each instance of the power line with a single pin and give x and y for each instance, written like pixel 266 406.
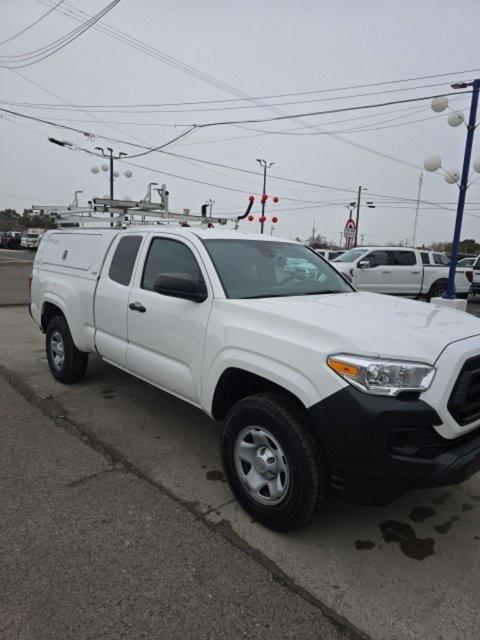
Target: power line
pixel 133 110
pixel 44 15
pixel 175 63
pixel 150 150
pixel 30 58
pixel 75 13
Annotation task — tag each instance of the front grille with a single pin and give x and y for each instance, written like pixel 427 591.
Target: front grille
pixel 464 403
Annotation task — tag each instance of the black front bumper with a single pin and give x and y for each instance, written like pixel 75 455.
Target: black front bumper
pixel 379 447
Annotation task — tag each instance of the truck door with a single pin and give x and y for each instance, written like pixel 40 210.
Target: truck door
pixel 375 273
pixel 166 334
pixel 111 299
pixel 406 272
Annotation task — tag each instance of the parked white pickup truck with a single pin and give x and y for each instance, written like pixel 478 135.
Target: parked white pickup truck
pixel 320 387
pixel 399 271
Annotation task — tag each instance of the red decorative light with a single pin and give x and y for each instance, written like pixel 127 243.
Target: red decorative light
pixel 274 219
pixel 264 197
pixel 251 198
pixel 275 199
pixel 262 219
pixel 251 218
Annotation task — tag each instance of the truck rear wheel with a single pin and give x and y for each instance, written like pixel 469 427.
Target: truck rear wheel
pixel 272 464
pixel 437 290
pixel 66 362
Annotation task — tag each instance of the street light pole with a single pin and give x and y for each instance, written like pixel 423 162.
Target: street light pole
pixel 211 202
pixel 266 165
pixel 111 158
pixel 450 293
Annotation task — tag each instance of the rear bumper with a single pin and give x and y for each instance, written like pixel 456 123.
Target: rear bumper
pixel 379 447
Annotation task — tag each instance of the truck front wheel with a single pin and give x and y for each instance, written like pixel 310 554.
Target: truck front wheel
pixel 272 463
pixel 66 362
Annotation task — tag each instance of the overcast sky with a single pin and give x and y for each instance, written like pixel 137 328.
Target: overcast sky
pixel 261 49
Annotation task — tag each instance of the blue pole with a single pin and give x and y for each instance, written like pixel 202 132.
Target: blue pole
pixel 450 293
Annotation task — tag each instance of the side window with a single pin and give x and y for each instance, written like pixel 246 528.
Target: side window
pixel 377 258
pixel 169 257
pixel 425 259
pixel 439 258
pixel 403 258
pixel 123 260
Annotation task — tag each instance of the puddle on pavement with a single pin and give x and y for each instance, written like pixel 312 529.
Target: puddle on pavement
pixel 419 514
pixel 364 545
pixel 215 474
pixel 446 526
pixel 406 538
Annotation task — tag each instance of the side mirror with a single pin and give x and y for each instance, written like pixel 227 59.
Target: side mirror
pixel 364 264
pixel 180 285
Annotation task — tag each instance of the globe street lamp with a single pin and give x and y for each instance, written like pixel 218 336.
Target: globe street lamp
pixel 453 176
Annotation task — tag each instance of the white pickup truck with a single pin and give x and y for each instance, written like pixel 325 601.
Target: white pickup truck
pixel 399 271
pixel 320 387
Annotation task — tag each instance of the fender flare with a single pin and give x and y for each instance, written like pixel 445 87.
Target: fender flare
pixel 292 380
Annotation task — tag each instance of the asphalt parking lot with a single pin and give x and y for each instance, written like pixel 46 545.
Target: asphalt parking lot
pixel 118 523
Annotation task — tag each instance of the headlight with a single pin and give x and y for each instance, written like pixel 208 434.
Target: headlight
pixel 382 377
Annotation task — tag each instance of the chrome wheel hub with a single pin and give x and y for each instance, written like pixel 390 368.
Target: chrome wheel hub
pixel 261 465
pixel 57 350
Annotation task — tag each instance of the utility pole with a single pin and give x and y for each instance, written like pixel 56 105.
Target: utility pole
pixel 358 214
pixel 313 229
pixel 419 194
pixel 111 158
pixel 450 293
pixel 266 165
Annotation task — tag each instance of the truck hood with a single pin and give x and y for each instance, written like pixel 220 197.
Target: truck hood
pixel 363 323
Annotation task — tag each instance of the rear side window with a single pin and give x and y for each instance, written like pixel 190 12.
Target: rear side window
pixel 424 258
pixel 123 261
pixel 403 258
pixel 440 258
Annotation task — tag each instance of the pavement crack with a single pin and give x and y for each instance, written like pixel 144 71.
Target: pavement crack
pixel 91 476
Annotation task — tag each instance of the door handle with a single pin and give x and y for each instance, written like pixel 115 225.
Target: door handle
pixel 415 271
pixel 137 306
pixel 386 272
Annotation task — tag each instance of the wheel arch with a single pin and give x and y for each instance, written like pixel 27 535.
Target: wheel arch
pixel 49 311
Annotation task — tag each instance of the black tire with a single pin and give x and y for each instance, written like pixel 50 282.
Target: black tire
pixel 75 362
pixel 437 290
pixel 308 487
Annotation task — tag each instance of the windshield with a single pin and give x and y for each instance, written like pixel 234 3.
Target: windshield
pixel 350 256
pixel 259 269
pixel 32 235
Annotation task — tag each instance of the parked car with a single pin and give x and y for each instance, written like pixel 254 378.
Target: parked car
pixel 467 262
pixel 32 239
pixel 10 239
pixel 329 254
pixel 399 271
pixel 476 276
pixel 321 388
